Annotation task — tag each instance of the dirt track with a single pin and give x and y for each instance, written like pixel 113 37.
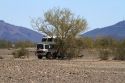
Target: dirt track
pixel 60 71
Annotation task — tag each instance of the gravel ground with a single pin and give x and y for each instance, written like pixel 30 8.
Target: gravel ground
pixel 61 71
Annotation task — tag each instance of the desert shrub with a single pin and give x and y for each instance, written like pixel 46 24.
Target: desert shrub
pixel 105 42
pixel 24 44
pixel 87 42
pixel 104 54
pixel 119 51
pixel 71 53
pixel 20 53
pixel 5 44
pixel 73 47
pixel 1 57
pixel 119 54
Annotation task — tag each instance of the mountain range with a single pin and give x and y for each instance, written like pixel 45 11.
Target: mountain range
pixel 116 31
pixel 14 33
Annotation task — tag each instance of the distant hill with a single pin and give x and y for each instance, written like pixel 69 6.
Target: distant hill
pixel 116 31
pixel 14 33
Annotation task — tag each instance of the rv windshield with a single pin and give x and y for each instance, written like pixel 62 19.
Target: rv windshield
pixel 47 39
pixel 39 46
pixel 44 39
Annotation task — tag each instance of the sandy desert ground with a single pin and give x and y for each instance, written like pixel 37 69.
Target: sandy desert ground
pixel 85 70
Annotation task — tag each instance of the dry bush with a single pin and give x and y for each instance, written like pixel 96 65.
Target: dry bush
pixel 87 42
pixel 105 42
pixel 104 54
pixel 73 47
pixel 24 44
pixel 5 44
pixel 119 51
pixel 20 53
pixel 119 54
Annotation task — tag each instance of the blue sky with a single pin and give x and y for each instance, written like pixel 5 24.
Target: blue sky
pixel 98 13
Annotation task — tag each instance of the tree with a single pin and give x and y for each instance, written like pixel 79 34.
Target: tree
pixel 63 24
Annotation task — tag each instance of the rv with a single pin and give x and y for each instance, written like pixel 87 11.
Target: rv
pixel 47 48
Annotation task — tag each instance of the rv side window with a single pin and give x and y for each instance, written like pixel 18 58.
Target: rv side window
pixel 50 39
pixel 46 46
pixel 44 39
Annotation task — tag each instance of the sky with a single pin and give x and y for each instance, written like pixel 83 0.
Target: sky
pixel 98 13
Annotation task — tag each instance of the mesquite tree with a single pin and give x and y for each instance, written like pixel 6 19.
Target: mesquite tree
pixel 63 24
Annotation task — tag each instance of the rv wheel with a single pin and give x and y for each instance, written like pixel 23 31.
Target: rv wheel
pixel 39 57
